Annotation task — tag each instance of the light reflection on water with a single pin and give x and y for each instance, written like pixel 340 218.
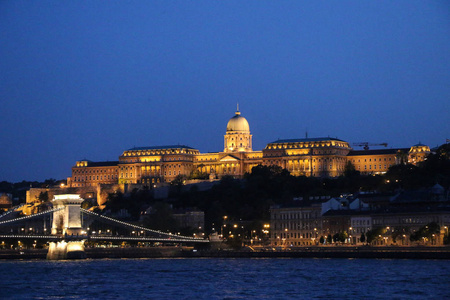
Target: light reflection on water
pixel 225 279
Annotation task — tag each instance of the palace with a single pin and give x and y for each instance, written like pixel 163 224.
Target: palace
pixel 319 157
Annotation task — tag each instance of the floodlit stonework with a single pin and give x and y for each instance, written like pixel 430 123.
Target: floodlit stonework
pixel 318 157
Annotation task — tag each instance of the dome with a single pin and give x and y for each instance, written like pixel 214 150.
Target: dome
pixel 238 123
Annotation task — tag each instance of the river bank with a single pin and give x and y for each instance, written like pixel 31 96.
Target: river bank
pixel 304 252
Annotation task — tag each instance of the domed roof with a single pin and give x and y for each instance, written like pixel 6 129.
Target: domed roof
pixel 238 123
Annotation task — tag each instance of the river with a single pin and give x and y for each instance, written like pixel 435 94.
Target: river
pixel 291 278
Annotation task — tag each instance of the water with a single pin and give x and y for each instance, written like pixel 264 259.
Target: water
pixel 225 279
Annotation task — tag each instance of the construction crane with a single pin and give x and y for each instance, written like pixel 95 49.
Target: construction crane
pixel 366 145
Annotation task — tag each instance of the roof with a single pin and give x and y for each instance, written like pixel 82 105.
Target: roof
pixel 345 212
pixel 388 211
pixel 300 204
pixel 376 151
pixel 101 163
pixel 238 123
pixel 376 197
pixel 306 140
pixel 161 147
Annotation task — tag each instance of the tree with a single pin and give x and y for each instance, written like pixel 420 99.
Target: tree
pixel 198 174
pixel 446 239
pixel 43 196
pixel 322 240
pixel 336 237
pixel 362 238
pixel 116 202
pixel 426 232
pixel 177 185
pixel 161 218
pixel 401 157
pixel 329 239
pixel 374 234
pixel 350 170
pixel 399 232
pixel 86 204
pixel 342 237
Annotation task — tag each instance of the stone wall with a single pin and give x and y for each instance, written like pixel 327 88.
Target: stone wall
pixel 100 192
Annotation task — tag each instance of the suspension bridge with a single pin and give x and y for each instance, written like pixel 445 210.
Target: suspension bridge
pixel 66 227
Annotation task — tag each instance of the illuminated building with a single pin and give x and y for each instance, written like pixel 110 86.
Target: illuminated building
pixel 150 165
pixel 378 161
pixel 399 214
pixel 5 201
pixel 318 157
pixel 309 156
pixel 374 161
pixel 88 173
pixel 298 225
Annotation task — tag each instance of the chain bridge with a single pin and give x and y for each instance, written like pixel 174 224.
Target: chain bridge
pixel 66 227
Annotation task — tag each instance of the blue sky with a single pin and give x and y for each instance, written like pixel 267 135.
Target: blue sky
pixel 90 79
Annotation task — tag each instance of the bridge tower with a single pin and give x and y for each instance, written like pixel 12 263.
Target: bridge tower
pixel 67 220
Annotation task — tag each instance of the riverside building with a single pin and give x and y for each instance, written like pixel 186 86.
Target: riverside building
pixel 318 157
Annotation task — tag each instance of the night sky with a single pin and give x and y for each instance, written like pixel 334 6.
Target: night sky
pixel 90 79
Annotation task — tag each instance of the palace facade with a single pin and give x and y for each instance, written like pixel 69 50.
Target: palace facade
pixel 326 157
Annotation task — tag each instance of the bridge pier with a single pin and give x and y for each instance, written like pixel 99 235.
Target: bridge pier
pixel 66 250
pixel 67 221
